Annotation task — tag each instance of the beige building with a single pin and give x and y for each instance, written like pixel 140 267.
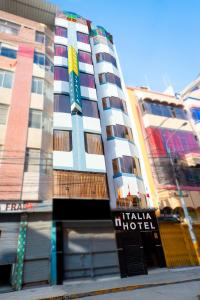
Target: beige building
pixel 26 106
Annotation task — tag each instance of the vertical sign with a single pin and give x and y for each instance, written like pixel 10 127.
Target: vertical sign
pixel 74 80
pixel 18 273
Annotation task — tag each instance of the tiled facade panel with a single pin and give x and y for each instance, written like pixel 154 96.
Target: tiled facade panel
pixel 76 185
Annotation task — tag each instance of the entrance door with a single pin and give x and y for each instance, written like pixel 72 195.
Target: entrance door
pixel 131 256
pixel 5 275
pixel 89 251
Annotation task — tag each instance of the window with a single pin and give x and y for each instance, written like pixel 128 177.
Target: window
pixel 106 57
pixel 87 80
pixel 85 57
pixel 109 78
pixel 196 114
pixel 39 59
pixel 61 31
pixel 35 118
pixel 124 164
pixel 160 109
pixel 90 109
pixel 62 103
pixel 49 65
pixel 192 176
pixel 3 113
pixel 82 37
pixel 61 73
pixel 37 85
pixel 93 144
pixel 8 52
pixel 114 102
pixel 61 50
pixel 120 131
pixel 128 165
pixel 179 113
pixel 32 160
pixel 6 78
pixel 39 37
pixel 62 140
pixel 9 27
pixel 116 166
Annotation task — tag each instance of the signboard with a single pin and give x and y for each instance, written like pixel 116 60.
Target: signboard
pixel 15 206
pixel 142 220
pixel 74 81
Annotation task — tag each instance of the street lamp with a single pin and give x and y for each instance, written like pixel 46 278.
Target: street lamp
pixel 180 193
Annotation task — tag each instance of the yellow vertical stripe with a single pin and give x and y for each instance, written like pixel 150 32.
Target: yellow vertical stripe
pixel 72 60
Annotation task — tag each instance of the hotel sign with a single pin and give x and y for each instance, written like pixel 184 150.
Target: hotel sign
pixel 135 220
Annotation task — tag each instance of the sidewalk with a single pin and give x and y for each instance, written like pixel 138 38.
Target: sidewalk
pixel 79 289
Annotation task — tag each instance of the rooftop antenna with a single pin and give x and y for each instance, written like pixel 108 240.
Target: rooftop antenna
pixel 146 79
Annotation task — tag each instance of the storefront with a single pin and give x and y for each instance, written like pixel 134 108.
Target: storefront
pixel 138 241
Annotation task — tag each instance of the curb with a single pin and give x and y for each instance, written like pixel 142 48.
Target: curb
pixel 116 290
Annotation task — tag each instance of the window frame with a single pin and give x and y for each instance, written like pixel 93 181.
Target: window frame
pixel 38 80
pixel 30 121
pixel 69 144
pixel 86 144
pixel 3 80
pixel 4 107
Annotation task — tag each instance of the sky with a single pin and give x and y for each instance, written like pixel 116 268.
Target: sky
pixel 157 41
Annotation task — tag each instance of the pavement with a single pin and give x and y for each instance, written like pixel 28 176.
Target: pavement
pixel 89 288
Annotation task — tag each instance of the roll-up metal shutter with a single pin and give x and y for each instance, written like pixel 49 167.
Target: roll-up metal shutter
pixel 38 247
pixel 89 250
pixel 9 230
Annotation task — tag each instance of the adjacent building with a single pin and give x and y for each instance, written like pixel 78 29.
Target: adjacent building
pixel 170 150
pixel 26 109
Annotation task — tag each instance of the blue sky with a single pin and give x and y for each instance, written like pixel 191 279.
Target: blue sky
pixel 158 41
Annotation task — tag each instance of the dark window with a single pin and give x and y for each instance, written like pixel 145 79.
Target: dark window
pixel 6 78
pixel 62 140
pixel 109 78
pixel 32 160
pixel 196 114
pixel 61 31
pixel 116 166
pixel 93 143
pixel 163 110
pixel 9 27
pixel 179 113
pixel 82 37
pixel 126 164
pixel 35 118
pixel 39 37
pixel 85 57
pixel 3 113
pixel 87 80
pixel 11 53
pixel 39 59
pixel 120 131
pixel 49 65
pixel 106 57
pixel 61 73
pixel 62 103
pixel 90 108
pixel 37 85
pixel 61 50
pixel 114 102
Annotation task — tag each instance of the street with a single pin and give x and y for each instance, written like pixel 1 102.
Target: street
pixel 181 291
